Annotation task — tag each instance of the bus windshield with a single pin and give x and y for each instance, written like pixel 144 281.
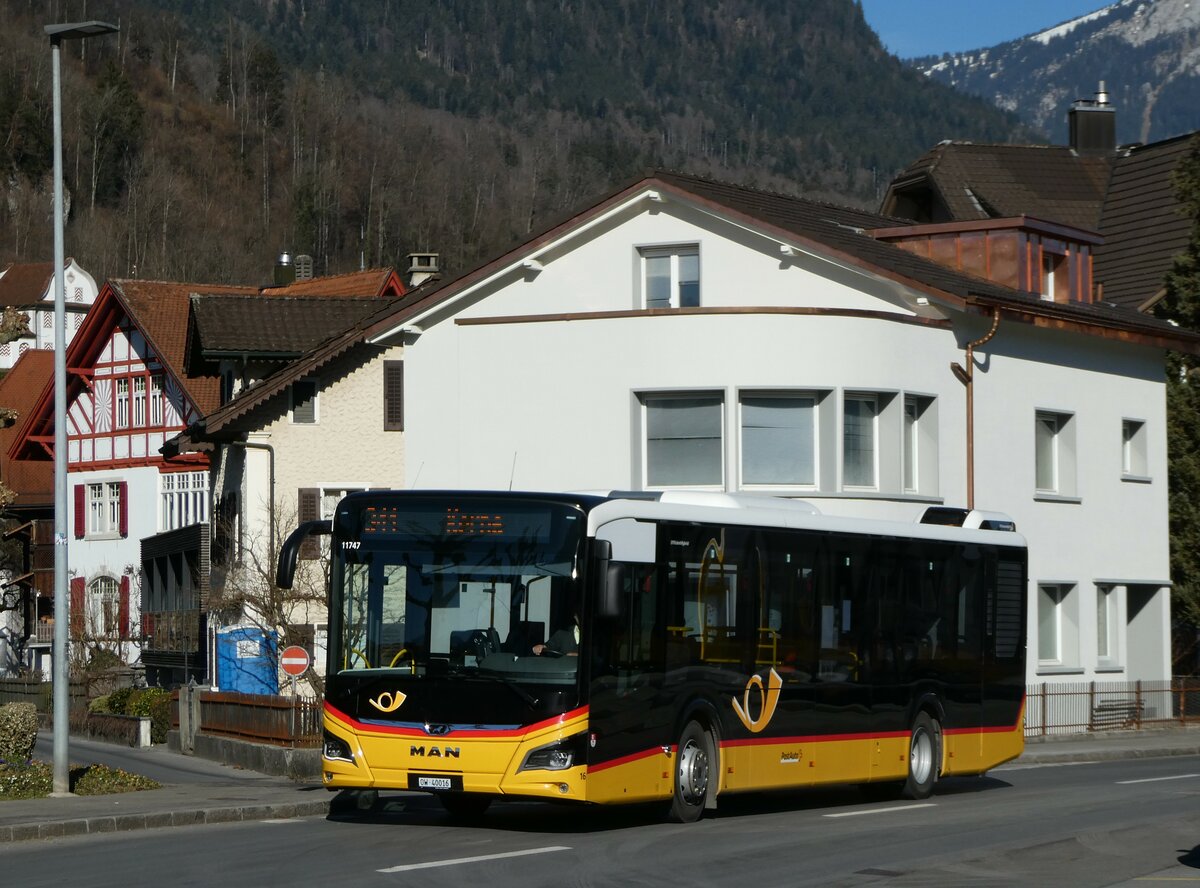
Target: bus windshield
pixel 465 584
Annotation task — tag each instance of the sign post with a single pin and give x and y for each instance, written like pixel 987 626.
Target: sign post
pixel 295 661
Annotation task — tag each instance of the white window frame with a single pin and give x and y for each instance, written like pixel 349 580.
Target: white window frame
pixel 1108 626
pixel 183 499
pixel 1054 451
pixel 103 607
pixel 815 446
pixel 1057 625
pixel 673 254
pixel 156 400
pixel 121 402
pixel 103 509
pixel 650 398
pixel 1134 459
pixel 138 402
pixel 873 400
pixel 316 402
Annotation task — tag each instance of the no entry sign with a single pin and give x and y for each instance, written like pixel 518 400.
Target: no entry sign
pixel 294 660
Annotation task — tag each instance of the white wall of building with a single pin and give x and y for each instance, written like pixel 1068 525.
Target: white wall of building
pixel 554 404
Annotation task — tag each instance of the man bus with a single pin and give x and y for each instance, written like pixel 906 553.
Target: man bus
pixel 722 643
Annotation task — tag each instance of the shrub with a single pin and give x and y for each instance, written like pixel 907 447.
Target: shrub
pixel 155 703
pixel 99 704
pixel 118 700
pixel 101 779
pixel 31 781
pixel 18 732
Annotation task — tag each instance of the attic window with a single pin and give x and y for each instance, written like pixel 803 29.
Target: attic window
pixel 671 277
pixel 304 401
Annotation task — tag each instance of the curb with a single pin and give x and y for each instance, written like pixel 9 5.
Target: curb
pixel 83 826
pixel 1104 755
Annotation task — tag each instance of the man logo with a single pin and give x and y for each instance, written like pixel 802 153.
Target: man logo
pixel 435 752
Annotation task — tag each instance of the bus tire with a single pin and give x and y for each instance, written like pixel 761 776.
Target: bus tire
pixel 924 757
pixel 464 805
pixel 695 766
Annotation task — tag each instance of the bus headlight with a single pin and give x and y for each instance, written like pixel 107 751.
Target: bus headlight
pixel 556 756
pixel 336 748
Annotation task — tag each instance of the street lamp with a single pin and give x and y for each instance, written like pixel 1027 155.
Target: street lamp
pixel 62 784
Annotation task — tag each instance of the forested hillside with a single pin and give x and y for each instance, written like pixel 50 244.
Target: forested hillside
pixel 213 133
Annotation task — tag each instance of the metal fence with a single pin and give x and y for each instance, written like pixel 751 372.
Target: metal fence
pixel 1073 707
pixel 259 718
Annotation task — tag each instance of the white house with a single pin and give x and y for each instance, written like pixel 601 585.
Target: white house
pixel 687 333
pixel 29 287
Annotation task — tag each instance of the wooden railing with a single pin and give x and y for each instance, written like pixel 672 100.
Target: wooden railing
pixel 259 718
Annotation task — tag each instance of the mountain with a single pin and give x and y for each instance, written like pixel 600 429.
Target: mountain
pixel 210 134
pixel 1147 52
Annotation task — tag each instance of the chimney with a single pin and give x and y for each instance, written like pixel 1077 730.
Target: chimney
pixel 1093 125
pixel 285 270
pixel 304 267
pixel 421 267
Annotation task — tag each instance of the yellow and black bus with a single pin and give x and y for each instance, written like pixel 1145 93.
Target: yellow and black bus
pixel 674 646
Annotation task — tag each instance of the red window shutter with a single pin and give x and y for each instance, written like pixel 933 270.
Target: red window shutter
pixel 124 508
pixel 76 607
pixel 123 609
pixel 80 511
pixel 308 508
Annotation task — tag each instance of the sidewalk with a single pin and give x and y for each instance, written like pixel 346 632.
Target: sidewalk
pixel 205 792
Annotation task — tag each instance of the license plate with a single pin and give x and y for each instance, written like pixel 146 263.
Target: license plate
pixel 436 782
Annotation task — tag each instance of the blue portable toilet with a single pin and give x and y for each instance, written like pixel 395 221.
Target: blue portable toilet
pixel 246 658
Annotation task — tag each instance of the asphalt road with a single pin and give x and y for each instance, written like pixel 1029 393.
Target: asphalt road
pixel 1133 822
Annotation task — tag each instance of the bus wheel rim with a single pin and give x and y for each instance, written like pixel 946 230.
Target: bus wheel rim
pixel 921 756
pixel 693 773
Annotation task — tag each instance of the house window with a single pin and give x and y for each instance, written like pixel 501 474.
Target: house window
pixel 1133 448
pixel 139 402
pixel 123 403
pixel 1106 625
pixel 912 446
pixel 779 442
pixel 156 400
pixel 1054 276
pixel 104 608
pixel 671 277
pixel 859 419
pixel 182 499
pixel 304 401
pixel 684 441
pixel 104 508
pixel 1058 636
pixel 1054 454
pixel 317 503
pixel 393 396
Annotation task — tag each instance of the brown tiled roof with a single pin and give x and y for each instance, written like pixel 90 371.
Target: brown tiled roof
pixel 160 310
pixel 997 181
pixel 282 326
pixel 1142 226
pixel 370 282
pixel 31 480
pixel 25 283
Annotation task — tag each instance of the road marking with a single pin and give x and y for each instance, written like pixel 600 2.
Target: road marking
pixel 882 810
pixel 1157 779
pixel 456 861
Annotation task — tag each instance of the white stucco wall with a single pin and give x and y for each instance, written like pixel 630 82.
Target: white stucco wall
pixel 554 403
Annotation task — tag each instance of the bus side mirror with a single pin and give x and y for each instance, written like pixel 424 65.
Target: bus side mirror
pixel 285 571
pixel 608 580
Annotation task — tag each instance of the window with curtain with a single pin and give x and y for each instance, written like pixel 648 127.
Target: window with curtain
pixel 684 441
pixel 779 439
pixel 859 417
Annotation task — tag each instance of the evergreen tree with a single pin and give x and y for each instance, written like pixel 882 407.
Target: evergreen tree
pixel 1181 304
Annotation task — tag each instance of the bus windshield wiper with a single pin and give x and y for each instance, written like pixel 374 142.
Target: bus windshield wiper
pixel 531 700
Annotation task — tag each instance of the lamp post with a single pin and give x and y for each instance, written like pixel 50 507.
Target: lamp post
pixel 62 785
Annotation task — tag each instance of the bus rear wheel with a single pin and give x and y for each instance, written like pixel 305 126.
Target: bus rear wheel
pixel 924 756
pixel 464 805
pixel 694 764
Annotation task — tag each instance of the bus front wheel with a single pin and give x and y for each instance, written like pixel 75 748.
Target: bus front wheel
pixel 695 760
pixel 924 756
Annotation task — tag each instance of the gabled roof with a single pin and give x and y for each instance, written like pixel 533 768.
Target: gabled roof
pixel 159 309
pixel 277 327
pixel 378 282
pixel 995 181
pixel 841 233
pixel 24 283
pixel 31 480
pixel 1142 225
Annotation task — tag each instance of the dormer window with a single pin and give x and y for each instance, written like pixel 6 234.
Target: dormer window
pixel 671 276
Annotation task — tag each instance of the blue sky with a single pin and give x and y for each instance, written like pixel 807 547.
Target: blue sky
pixel 929 27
